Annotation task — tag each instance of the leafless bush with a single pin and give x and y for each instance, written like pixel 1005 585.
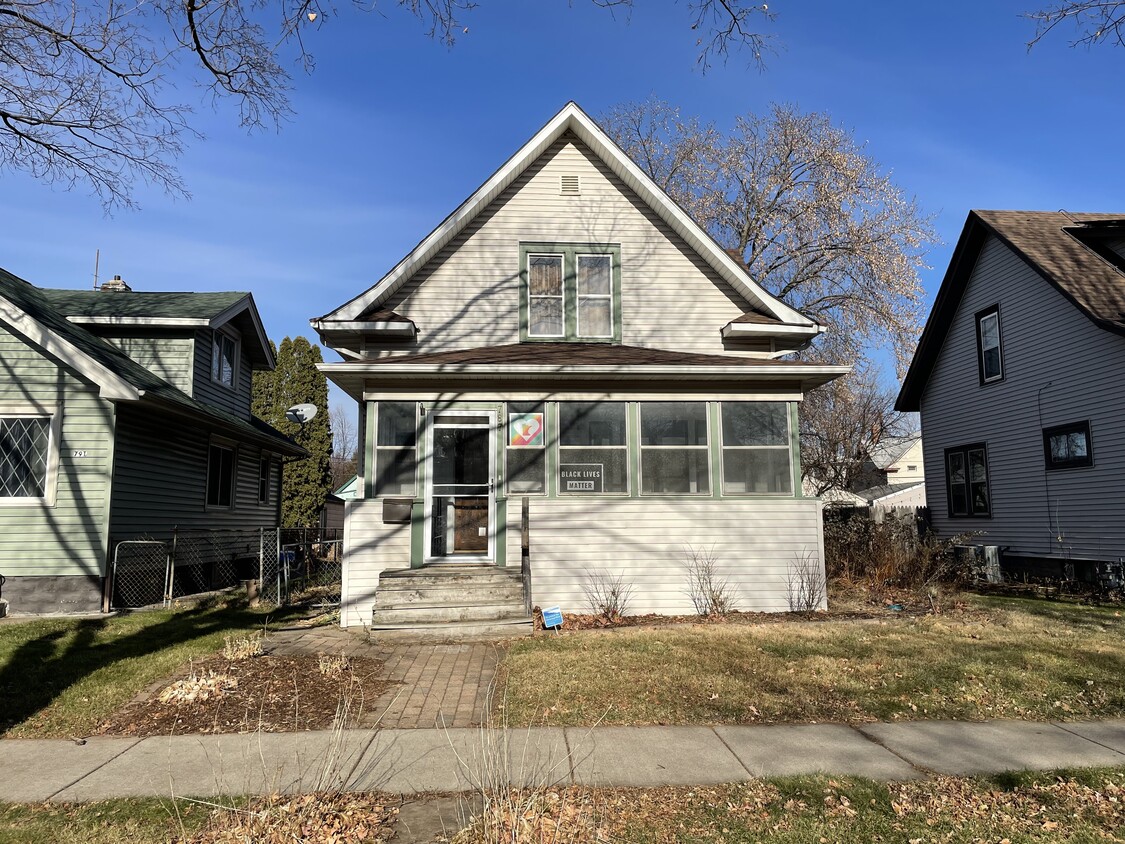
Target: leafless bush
pixel 607 596
pixel 237 648
pixel 710 592
pixel 891 553
pixel 806 583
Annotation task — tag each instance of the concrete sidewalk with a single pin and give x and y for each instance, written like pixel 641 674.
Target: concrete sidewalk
pixel 421 760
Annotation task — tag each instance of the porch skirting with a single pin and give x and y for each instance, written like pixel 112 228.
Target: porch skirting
pixel 756 544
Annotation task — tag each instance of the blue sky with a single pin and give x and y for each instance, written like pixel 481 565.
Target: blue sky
pixel 392 131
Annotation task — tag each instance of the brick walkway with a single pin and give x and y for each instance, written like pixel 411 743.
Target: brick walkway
pixel 432 684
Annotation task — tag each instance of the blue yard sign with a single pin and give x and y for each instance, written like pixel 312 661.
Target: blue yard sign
pixel 552 617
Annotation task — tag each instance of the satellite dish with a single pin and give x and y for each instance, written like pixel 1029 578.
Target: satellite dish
pixel 301 413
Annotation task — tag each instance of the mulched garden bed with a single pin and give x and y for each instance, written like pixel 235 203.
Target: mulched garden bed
pixel 267 693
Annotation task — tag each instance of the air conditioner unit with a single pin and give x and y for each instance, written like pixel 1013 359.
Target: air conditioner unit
pixel 991 564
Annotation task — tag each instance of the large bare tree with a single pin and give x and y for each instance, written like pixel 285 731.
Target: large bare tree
pixel 87 94
pixel 817 224
pixel 814 219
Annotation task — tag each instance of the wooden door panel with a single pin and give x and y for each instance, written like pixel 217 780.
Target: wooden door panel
pixel 469 516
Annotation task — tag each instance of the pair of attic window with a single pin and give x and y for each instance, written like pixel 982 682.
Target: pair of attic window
pixel 570 292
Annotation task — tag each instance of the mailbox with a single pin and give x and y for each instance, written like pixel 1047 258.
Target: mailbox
pixel 396 511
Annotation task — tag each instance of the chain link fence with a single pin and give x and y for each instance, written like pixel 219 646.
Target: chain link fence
pixel 290 565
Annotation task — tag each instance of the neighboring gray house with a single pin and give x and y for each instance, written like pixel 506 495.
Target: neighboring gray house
pixel 122 415
pixel 570 337
pixel 1018 379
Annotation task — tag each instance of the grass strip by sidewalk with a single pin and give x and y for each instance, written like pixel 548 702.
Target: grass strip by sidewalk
pixel 1009 658
pixel 147 821
pixel 62 677
pixel 1065 806
pixel 1082 806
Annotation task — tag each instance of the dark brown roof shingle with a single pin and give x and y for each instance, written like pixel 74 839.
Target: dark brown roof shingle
pixel 578 354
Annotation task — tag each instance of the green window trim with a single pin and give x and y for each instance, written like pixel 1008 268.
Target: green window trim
pixel 570 253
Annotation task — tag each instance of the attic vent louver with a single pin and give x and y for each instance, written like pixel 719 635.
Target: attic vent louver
pixel 569 186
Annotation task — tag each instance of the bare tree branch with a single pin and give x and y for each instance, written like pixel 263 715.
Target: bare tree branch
pixel 85 91
pixel 1094 22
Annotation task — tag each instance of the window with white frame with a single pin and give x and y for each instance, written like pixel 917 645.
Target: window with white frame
pixel 675 457
pixel 570 292
pixel 220 475
pixel 593 452
pixel 224 358
pixel 966 481
pixel 990 358
pixel 1068 446
pixel 396 440
pixel 25 454
pixel 756 448
pixel 595 296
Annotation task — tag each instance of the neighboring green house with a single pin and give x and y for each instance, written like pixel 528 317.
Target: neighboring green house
pixel 123 415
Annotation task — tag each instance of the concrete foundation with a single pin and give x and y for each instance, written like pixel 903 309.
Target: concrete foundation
pixel 54 594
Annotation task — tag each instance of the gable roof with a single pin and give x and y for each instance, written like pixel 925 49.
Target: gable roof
pixel 570 119
pixel 167 310
pixel 891 449
pixel 1063 248
pixel 29 310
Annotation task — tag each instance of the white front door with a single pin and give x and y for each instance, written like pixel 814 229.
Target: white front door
pixel 461 486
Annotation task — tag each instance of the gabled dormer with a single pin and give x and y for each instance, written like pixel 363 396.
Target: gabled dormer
pixel 205 344
pixel 568 242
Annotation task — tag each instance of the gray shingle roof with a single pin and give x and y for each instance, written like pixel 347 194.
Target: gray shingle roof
pixel 35 303
pixel 90 303
pixel 1063 248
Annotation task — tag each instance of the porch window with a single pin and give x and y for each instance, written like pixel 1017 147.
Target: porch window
pixel 675 457
pixel 396 440
pixel 25 443
pixel 570 292
pixel 756 448
pixel 220 476
pixel 1068 446
pixel 525 455
pixel 966 481
pixel 593 457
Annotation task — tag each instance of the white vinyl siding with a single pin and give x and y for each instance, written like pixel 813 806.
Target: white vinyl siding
pixel 1058 367
pixel 755 544
pixel 469 294
pixel 370 547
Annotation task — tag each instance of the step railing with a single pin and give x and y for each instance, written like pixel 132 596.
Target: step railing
pixel 525 551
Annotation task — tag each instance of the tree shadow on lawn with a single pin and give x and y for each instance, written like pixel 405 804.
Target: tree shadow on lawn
pixel 43 668
pixel 1093 617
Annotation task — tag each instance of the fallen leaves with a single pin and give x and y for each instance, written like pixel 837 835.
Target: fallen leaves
pixel 324 818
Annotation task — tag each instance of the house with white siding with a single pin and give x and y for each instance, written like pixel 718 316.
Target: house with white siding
pixel 122 416
pixel 569 377
pixel 1017 378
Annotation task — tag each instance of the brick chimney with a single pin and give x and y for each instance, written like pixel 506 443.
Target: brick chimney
pixel 116 285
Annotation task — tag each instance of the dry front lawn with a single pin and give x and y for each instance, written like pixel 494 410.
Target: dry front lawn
pixel 1005 658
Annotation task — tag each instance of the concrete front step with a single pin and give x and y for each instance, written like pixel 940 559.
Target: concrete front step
pixel 451 600
pixel 521 626
pixel 429 614
pixel 449 594
pixel 447 575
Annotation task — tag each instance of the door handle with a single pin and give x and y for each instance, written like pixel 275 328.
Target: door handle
pixel 491 485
